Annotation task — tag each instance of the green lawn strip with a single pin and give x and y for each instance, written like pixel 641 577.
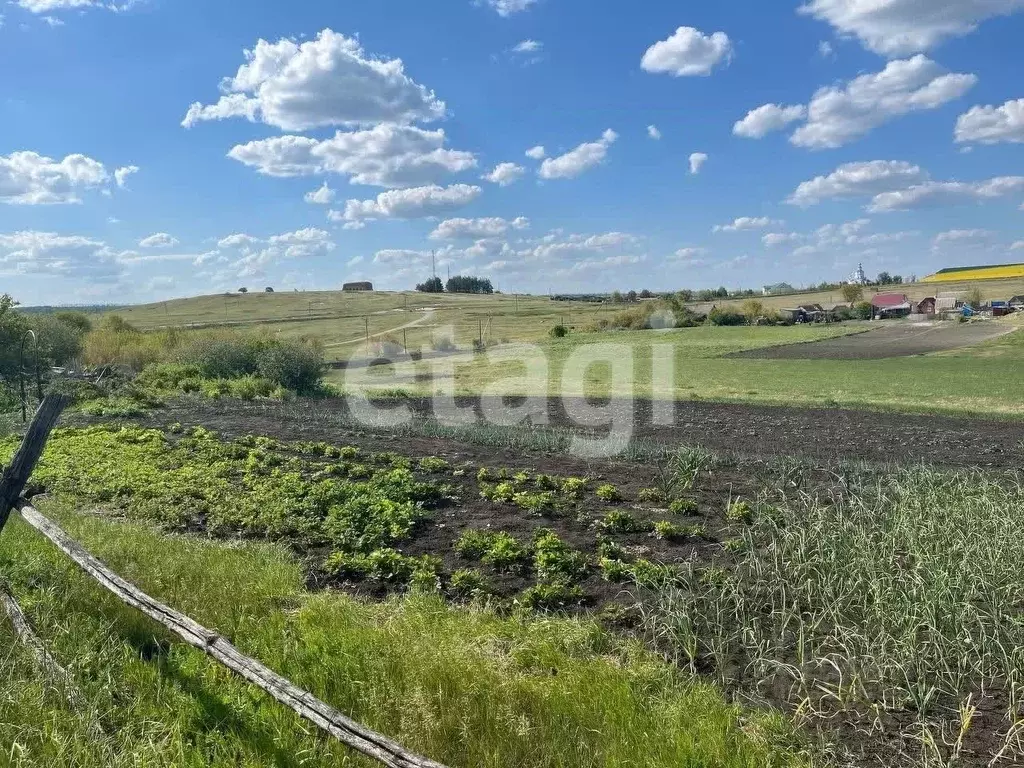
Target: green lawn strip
pixel 466 687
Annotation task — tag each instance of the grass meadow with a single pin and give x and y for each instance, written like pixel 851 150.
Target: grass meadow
pixel 464 686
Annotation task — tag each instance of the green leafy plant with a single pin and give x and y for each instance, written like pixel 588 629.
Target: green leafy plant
pixel 468 583
pixel 618 521
pixel 555 561
pixel 608 493
pixel 651 496
pixel 669 531
pixel 550 597
pixel 683 507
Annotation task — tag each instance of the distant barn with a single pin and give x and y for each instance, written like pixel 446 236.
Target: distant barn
pixel 351 287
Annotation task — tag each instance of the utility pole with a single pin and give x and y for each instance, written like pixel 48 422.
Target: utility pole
pixel 366 321
pixel 433 264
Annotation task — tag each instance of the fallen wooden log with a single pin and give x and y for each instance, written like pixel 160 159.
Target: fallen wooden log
pixel 344 729
pixel 44 660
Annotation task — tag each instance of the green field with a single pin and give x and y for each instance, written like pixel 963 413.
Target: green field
pixel 986 380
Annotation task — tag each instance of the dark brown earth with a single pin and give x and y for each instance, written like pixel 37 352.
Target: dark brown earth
pixel 751 436
pixel 892 339
pixel 753 431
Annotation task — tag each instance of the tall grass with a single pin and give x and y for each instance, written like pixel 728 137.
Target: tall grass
pixel 895 597
pixel 463 686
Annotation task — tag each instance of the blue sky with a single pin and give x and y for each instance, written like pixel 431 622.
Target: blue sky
pixel 158 148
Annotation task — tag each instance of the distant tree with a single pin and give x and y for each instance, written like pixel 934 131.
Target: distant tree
pixel 12 330
pixel 243 289
pixel 852 293
pixel 722 293
pixel 752 309
pixel 684 295
pixel 646 294
pixel 78 320
pixel 897 279
pixel 863 310
pixel 705 295
pixel 433 285
pixel 884 278
pixel 617 297
pixel 974 298
pixel 268 289
pixel 632 296
pixel 466 284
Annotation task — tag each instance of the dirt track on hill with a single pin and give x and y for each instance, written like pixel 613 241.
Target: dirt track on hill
pixel 823 435
pixel 892 340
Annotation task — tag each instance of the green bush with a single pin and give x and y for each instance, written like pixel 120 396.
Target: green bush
pixel 559 332
pixel 724 316
pixel 683 507
pixel 554 560
pixel 863 310
pixel 608 493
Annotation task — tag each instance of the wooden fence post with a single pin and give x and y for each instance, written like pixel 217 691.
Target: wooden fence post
pixel 14 477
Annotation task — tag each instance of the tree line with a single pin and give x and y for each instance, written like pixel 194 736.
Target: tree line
pixel 457 284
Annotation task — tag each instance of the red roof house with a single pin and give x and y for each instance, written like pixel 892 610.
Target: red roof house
pixel 891 304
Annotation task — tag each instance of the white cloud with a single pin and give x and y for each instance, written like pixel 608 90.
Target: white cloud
pixel 506 8
pixel 691 257
pixel 505 174
pixel 159 240
pixel 765 119
pixel 536 153
pixel 839 115
pixel 688 52
pixel 935 193
pixel 747 223
pixel 555 247
pixel 528 46
pixel 858 180
pixel 28 178
pixel 46 6
pixel 328 81
pixel 577 161
pixel 387 155
pixel 992 125
pixel 322 196
pixel 121 174
pixel 961 236
pixel 775 239
pixel 1017 246
pixel 32 252
pixel 457 229
pixel 653 132
pixel 301 243
pixel 900 27
pixel 416 203
pixel 697 160
pixel 825 50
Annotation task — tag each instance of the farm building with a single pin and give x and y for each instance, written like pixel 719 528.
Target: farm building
pixel 778 288
pixel 891 305
pixel 991 272
pixel 1016 302
pixel 926 306
pixel 351 287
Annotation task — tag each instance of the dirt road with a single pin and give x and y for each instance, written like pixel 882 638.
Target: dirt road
pixel 896 339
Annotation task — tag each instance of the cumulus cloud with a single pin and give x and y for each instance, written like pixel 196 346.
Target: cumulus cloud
pixel 653 132
pixel 28 178
pixel 322 196
pixel 505 174
pixel 900 27
pixel 33 252
pixel 506 8
pixel 687 53
pixel 471 229
pixel 770 117
pixel 415 203
pixel 159 240
pixel 536 153
pixel 528 46
pixel 387 155
pixel 697 160
pixel 121 174
pixel 992 125
pixel 329 81
pixel 840 114
pixel 896 186
pixel 937 193
pixel 691 257
pixel 961 236
pixel 858 180
pixel 579 160
pixel 256 253
pixel 746 223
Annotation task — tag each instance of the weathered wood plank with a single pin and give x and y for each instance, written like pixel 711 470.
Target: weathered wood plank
pixel 45 662
pixel 14 477
pixel 344 729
